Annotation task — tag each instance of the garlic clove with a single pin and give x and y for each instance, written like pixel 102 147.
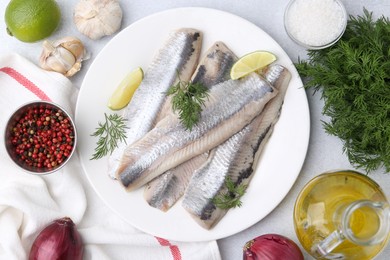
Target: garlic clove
pixel 74 45
pixel 98 18
pixel 48 48
pixel 64 55
pixel 61 60
pixel 65 58
pixel 75 68
pixel 56 59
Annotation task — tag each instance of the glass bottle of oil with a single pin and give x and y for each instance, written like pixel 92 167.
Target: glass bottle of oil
pixel 342 215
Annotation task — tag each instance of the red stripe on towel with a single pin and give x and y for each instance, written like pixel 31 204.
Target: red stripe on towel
pixel 25 82
pixel 174 249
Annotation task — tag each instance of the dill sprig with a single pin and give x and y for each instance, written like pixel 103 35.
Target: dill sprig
pixel 187 100
pixel 110 133
pixel 232 197
pixel 354 76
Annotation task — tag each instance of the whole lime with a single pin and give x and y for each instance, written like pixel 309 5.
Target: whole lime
pixel 32 20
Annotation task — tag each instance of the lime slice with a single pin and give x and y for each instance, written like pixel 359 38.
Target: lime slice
pixel 125 90
pixel 251 62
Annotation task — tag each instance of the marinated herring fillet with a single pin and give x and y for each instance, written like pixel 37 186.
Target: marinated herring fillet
pixel 231 105
pixel 163 191
pixel 236 158
pixel 210 71
pixel 179 54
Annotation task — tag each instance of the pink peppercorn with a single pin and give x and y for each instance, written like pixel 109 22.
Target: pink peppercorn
pixel 39 134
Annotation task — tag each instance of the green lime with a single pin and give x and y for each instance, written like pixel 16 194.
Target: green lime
pixel 32 20
pixel 125 90
pixel 251 62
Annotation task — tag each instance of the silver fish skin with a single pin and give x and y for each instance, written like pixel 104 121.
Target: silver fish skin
pixel 231 105
pixel 215 66
pixel 180 53
pixel 164 191
pixel 236 158
pixel 212 69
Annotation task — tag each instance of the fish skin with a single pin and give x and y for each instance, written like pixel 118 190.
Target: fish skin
pixel 236 158
pixel 231 105
pixel 215 66
pixel 164 191
pixel 180 53
pixel 213 69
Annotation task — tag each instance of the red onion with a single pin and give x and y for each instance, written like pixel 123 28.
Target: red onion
pixel 272 247
pixel 59 240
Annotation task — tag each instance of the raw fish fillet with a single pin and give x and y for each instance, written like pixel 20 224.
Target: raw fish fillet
pixel 163 191
pixel 179 54
pixel 236 158
pixel 231 105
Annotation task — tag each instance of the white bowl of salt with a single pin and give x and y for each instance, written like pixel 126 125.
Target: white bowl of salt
pixel 315 24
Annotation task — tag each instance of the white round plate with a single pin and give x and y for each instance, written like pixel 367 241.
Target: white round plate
pixel 279 165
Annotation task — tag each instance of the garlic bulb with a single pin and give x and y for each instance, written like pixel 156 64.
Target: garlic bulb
pixel 64 55
pixel 97 18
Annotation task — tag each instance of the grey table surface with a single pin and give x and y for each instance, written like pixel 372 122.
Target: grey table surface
pixel 324 151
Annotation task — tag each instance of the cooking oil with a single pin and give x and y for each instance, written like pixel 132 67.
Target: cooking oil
pixel 319 209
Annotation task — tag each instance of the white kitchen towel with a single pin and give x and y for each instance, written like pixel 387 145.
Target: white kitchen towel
pixel 28 202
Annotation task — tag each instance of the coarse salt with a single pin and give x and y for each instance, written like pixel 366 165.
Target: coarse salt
pixel 315 22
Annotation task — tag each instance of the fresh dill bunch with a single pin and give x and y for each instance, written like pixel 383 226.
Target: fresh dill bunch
pixel 187 100
pixel 110 133
pixel 232 197
pixel 354 76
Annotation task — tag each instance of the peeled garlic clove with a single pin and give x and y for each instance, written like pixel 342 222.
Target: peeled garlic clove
pixel 64 56
pixel 97 18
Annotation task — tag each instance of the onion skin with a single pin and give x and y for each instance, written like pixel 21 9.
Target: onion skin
pixel 272 247
pixel 59 240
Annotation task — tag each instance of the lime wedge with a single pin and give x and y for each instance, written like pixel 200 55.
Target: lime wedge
pixel 251 62
pixel 125 90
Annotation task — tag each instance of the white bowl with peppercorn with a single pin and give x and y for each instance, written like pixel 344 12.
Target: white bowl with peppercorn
pixel 40 137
